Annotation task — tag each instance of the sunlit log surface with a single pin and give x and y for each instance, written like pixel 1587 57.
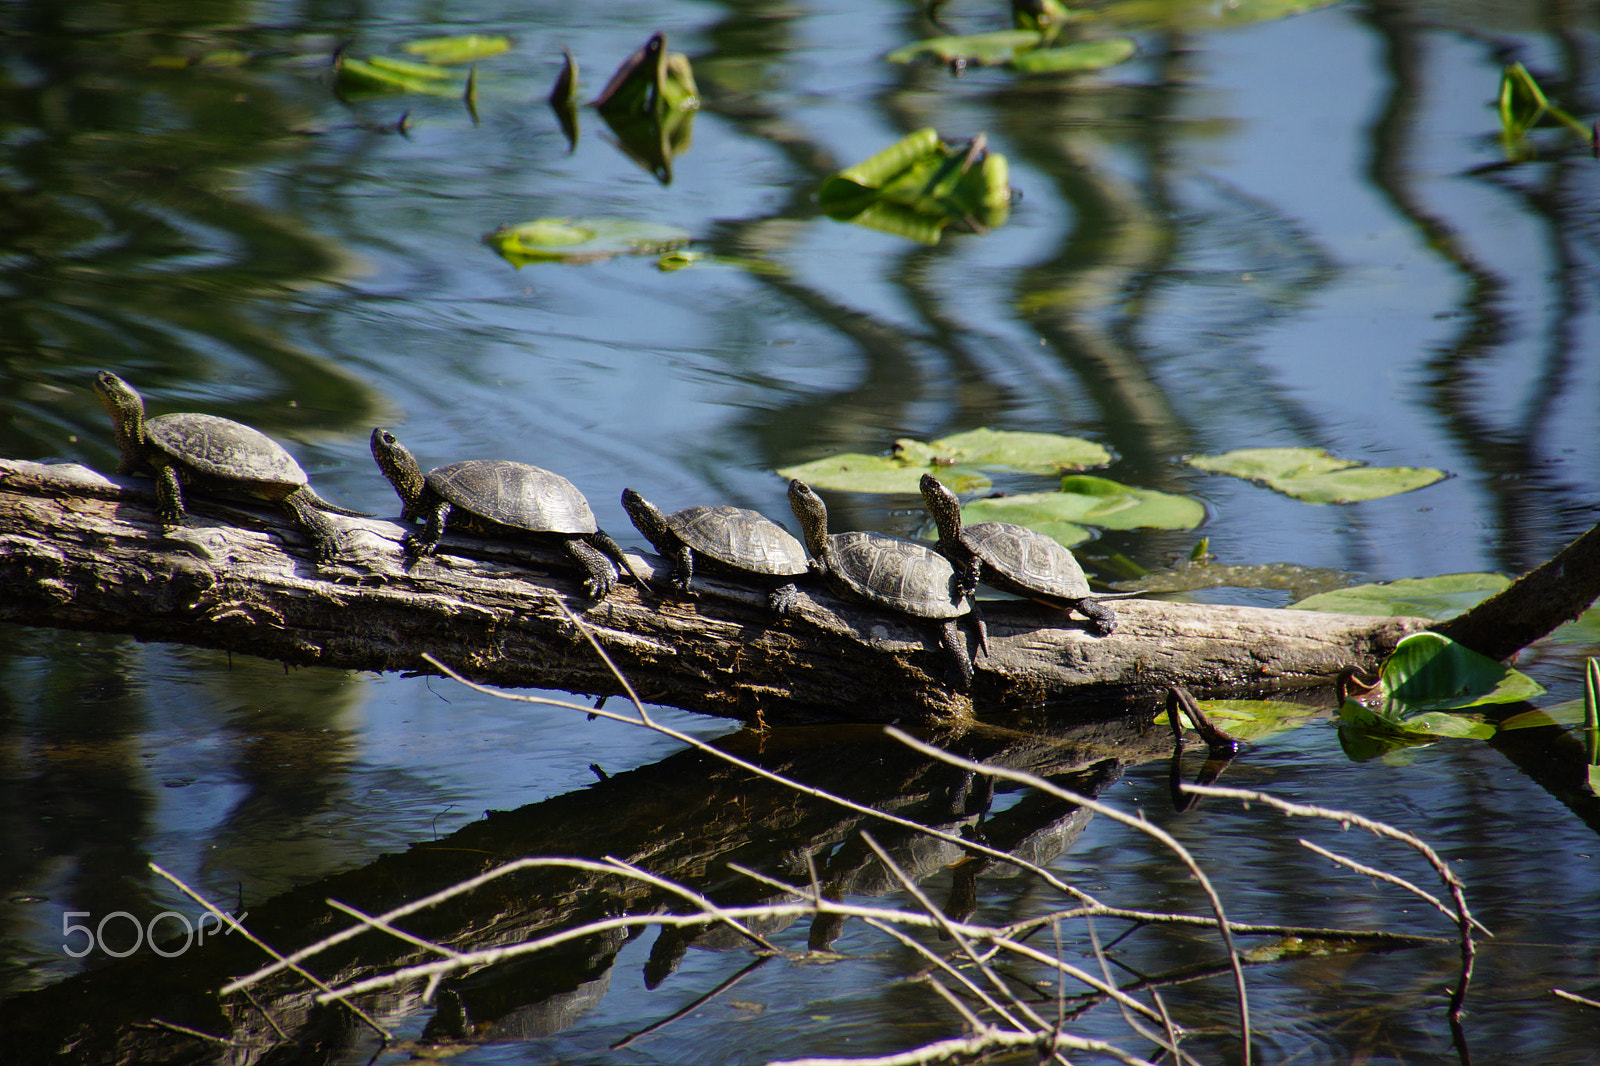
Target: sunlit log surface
pixel 83 551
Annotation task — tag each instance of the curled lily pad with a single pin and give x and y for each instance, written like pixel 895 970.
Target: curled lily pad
pixel 975 48
pixel 574 240
pixel 919 184
pixel 855 472
pixel 1074 58
pixel 1438 598
pixel 1197 14
pixel 1032 453
pixel 1313 476
pixel 466 48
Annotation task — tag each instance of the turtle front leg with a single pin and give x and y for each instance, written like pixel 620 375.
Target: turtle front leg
pixel 602 540
pixel 169 497
pixel 1102 619
pixel 683 569
pixel 602 575
pixel 325 536
pixel 427 542
pixel 956 649
pixel 784 598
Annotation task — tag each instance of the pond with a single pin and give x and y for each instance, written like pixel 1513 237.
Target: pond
pixel 1281 225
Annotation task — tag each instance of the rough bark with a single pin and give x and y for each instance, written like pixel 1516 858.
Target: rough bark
pixel 83 551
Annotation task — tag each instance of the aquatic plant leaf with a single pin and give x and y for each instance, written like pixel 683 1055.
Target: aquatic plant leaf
pixel 856 472
pixel 1568 713
pixel 938 183
pixel 466 48
pixel 564 99
pixel 650 83
pixel 1311 475
pixel 392 75
pixel 583 239
pixel 1438 598
pixel 1033 453
pixel 1044 16
pixel 1424 724
pixel 1257 719
pixel 1074 58
pixel 1429 671
pixel 1117 506
pixel 1198 14
pixel 979 49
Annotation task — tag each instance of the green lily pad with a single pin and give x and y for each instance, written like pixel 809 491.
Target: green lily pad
pixel 381 73
pixel 1313 476
pixel 919 184
pixel 576 240
pixel 1565 714
pixel 1257 719
pixel 1199 14
pixel 1424 724
pixel 1436 598
pixel 466 48
pixel 1429 671
pixel 1031 453
pixel 1075 58
pixel 978 49
pixel 855 472
pixel 1117 506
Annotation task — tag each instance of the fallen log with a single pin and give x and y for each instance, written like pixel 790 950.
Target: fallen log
pixel 80 550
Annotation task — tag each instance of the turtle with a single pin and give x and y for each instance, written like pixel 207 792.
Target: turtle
pixel 499 497
pixel 731 539
pixel 216 456
pixel 901 575
pixel 1014 559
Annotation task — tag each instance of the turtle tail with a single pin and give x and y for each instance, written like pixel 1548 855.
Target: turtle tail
pixel 332 508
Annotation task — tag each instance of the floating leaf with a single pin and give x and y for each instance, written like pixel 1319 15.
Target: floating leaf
pixel 1425 724
pixel 978 49
pixel 1584 630
pixel 1429 671
pixel 395 75
pixel 650 83
pixel 855 472
pixel 1313 476
pixel 1257 719
pixel 1197 14
pixel 1032 453
pixel 564 99
pixel 1436 598
pixel 575 240
pixel 1569 713
pixel 919 184
pixel 1074 58
pixel 462 49
pixel 1118 506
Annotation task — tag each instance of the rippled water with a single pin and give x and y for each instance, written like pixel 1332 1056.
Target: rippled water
pixel 1291 232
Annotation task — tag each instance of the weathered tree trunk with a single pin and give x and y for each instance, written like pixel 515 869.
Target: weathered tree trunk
pixel 83 551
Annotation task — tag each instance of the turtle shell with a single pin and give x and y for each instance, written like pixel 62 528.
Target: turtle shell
pixel 740 538
pixel 1026 561
pixel 223 449
pixel 902 575
pixel 515 495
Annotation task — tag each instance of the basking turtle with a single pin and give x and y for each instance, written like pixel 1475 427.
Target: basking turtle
pixel 902 575
pixel 731 539
pixel 497 497
pixel 1013 559
pixel 216 456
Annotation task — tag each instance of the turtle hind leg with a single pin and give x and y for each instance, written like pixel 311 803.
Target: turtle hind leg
pixel 323 505
pixel 325 536
pixel 602 541
pixel 1102 619
pixel 956 649
pixel 602 575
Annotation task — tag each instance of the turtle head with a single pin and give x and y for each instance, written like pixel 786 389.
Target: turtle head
pixel 126 408
pixel 399 466
pixel 944 507
pixel 648 519
pixel 813 516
